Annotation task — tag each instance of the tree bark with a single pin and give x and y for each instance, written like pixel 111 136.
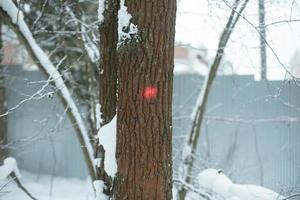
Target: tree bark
pixel 108 80
pixel 108 60
pixel 144 108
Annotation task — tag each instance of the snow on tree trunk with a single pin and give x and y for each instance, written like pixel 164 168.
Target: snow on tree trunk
pixel 144 108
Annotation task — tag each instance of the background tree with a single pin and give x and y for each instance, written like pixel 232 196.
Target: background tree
pixel 192 139
pixel 2 101
pixel 262 39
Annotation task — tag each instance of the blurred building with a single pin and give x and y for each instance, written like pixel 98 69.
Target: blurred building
pixel 190 60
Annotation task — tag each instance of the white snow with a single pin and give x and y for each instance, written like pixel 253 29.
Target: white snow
pixel 91 48
pixel 9 166
pixel 124 22
pixel 39 185
pixel 98 115
pixel 101 10
pixel 215 181
pixel 222 186
pixel 27 8
pixel 17 18
pixel 108 138
pixel 99 186
pixel 249 192
pixel 207 177
pixel 97 162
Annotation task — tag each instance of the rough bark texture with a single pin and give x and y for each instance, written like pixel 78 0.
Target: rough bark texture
pixel 108 60
pixel 144 123
pixel 3 127
pixel 108 79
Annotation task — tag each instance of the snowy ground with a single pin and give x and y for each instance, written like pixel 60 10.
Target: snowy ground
pixel 222 188
pixel 46 187
pixel 40 187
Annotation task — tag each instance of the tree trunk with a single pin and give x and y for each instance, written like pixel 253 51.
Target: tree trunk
pixel 144 108
pixel 108 60
pixel 108 80
pixel 262 39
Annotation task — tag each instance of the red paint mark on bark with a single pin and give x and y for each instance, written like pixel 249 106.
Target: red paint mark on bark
pixel 150 92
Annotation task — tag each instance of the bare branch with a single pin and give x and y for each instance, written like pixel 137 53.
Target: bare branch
pixel 24 34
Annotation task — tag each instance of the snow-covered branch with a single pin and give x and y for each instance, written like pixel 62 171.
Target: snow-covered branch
pixel 15 17
pixel 9 166
pixel 90 47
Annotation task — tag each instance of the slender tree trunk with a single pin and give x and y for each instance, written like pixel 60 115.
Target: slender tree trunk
pixel 3 127
pixel 262 39
pixel 144 109
pixel 108 60
pixel 108 80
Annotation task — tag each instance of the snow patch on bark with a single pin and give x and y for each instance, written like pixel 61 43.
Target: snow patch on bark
pixel 99 186
pixel 108 138
pixel 126 29
pixel 101 8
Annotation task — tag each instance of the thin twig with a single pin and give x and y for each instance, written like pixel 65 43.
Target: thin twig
pixel 21 186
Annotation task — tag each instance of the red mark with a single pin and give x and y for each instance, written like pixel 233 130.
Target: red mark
pixel 150 92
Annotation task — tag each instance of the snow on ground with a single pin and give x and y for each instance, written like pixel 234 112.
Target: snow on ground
pixel 40 187
pixel 9 166
pixel 219 184
pixel 75 189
